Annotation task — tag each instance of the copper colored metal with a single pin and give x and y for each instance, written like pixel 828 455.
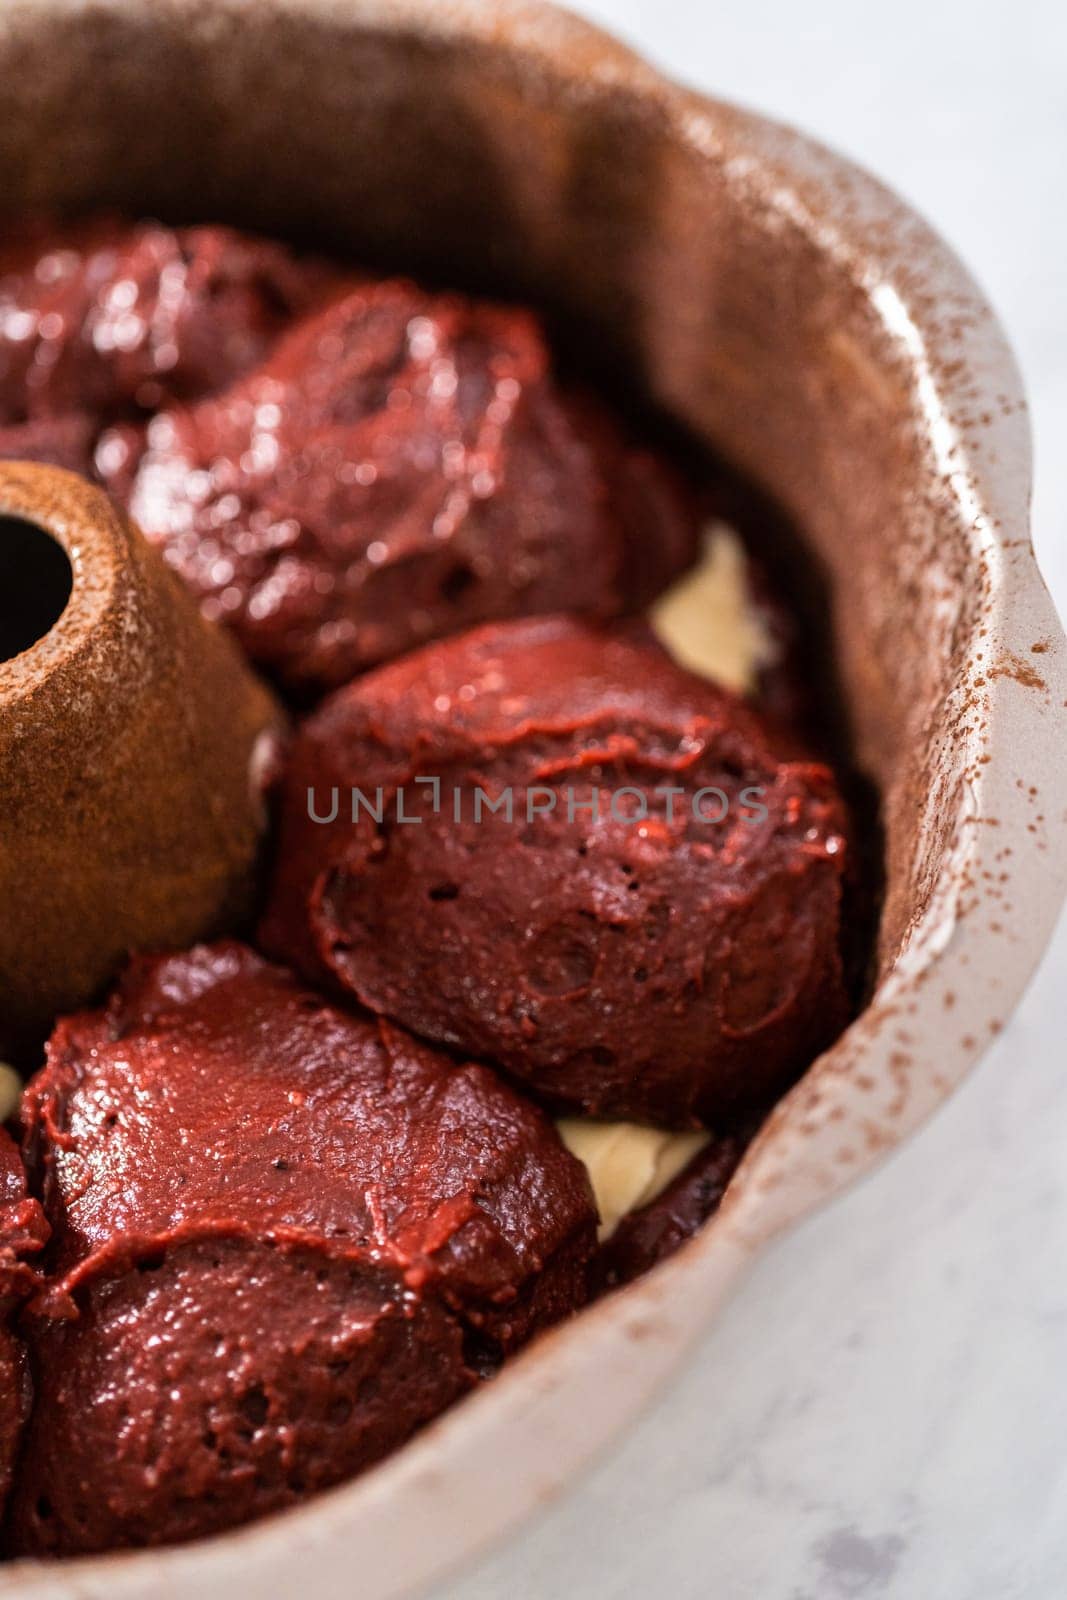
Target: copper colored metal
pixel 133 740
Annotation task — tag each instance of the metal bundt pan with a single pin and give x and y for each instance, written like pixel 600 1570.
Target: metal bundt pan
pixel 786 307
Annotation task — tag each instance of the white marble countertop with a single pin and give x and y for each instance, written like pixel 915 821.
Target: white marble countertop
pixel 882 1410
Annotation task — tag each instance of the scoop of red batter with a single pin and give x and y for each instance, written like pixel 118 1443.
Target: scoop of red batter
pixel 648 961
pixel 106 318
pixel 285 1237
pixel 23 1231
pixel 404 464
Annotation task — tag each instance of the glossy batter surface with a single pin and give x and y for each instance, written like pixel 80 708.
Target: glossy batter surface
pixel 105 318
pixel 23 1232
pixel 403 465
pixel 646 962
pixel 340 468
pixel 284 1236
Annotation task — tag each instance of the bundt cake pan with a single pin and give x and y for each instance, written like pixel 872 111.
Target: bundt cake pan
pixel 786 307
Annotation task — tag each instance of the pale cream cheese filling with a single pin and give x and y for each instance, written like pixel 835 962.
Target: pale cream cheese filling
pixel 708 621
pixel 628 1165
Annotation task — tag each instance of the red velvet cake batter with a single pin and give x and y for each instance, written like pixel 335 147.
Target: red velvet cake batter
pixel 275 1232
pixel 23 1232
pixel 403 465
pixel 284 1237
pixel 663 967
